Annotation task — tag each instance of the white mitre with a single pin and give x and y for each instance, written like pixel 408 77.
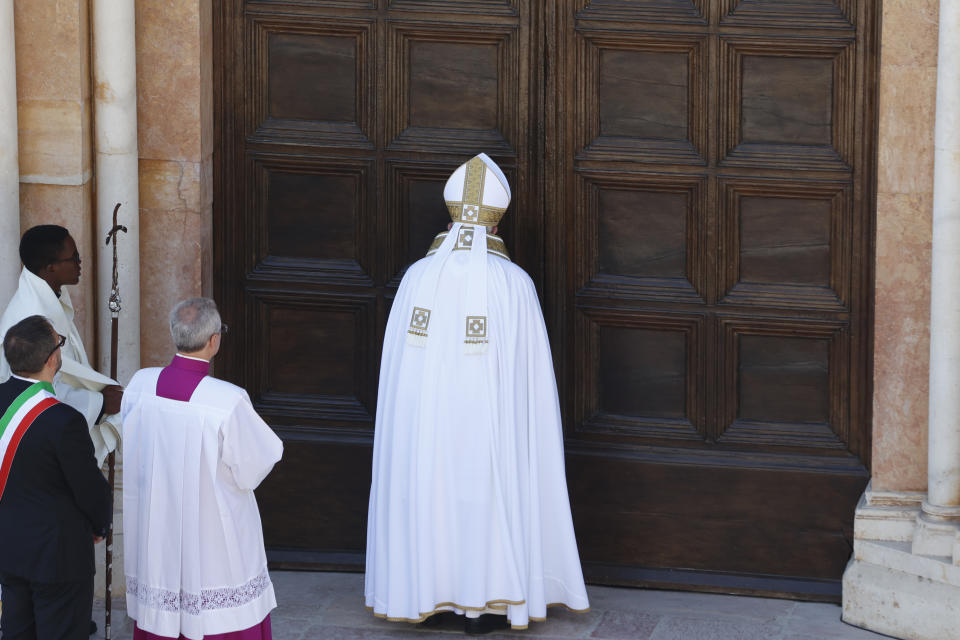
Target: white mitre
pixel 477 195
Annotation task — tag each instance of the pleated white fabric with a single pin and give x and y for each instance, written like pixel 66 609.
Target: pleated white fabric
pixel 77 383
pixel 193 542
pixel 468 504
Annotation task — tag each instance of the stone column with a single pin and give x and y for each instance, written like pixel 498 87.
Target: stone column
pixel 9 163
pixel 176 163
pixel 904 577
pixel 56 149
pixel 117 164
pixel 943 471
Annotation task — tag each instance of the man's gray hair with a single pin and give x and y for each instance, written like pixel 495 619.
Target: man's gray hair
pixel 192 322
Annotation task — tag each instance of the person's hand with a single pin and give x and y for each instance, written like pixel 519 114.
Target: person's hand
pixel 112 397
pixel 97 539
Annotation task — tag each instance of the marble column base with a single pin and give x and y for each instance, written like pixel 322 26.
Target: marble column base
pixel 890 588
pixel 935 536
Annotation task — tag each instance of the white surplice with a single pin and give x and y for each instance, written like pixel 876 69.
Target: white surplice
pixel 468 504
pixel 193 541
pixel 78 384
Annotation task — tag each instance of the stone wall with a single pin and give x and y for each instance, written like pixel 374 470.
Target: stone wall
pixel 175 110
pixel 908 76
pixel 56 128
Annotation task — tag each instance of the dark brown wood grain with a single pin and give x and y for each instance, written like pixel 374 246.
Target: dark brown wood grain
pixel 643 373
pixel 330 60
pixel 693 196
pixel 691 534
pixel 769 211
pixel 642 233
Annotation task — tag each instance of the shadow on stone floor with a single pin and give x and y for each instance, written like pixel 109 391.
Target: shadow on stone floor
pixel 329 606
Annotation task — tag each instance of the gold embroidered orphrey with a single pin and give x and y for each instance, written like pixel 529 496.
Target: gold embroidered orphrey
pixel 419 322
pixel 471 209
pixel 465 238
pixel 495 245
pixel 476 329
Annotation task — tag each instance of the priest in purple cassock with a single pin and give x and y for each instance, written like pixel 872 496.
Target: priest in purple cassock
pixel 193 542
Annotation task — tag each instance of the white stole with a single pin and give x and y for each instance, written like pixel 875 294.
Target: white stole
pixel 77 384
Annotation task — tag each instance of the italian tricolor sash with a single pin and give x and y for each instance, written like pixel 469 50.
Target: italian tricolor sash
pixel 17 419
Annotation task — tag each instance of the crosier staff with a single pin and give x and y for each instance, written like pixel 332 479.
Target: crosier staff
pixel 114 305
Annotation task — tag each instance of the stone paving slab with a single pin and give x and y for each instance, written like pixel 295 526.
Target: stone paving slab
pixel 329 606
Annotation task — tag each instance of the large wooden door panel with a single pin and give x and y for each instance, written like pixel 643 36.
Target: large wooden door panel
pixel 714 197
pixel 689 532
pixel 666 74
pixel 314 505
pixel 642 235
pixel 339 124
pixel 639 381
pixel 785 243
pixel 692 195
pixel 308 78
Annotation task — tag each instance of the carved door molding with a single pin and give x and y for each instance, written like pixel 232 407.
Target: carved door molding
pixel 693 196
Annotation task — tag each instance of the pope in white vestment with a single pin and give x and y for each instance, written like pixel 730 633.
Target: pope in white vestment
pixel 468 503
pixel 77 384
pixel 194 451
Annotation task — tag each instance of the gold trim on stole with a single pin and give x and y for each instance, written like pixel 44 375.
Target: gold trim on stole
pixel 495 245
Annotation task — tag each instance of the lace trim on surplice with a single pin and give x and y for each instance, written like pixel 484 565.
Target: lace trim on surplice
pixel 206 600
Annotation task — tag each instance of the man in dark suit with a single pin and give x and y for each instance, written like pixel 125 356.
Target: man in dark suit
pixel 54 502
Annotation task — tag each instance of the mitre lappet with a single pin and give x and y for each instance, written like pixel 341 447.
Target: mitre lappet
pixel 477 195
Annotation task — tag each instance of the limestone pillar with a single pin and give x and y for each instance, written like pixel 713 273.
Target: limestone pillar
pixel 117 170
pixel 943 474
pixel 904 577
pixel 9 164
pixel 938 525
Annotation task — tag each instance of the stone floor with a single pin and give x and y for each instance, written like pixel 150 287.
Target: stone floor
pixel 329 606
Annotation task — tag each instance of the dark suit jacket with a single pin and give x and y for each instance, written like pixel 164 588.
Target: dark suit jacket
pixel 55 499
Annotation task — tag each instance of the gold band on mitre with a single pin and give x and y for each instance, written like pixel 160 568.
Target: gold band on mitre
pixel 495 245
pixel 482 215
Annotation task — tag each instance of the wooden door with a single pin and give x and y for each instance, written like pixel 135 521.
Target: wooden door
pixel 713 165
pixel 692 195
pixel 338 124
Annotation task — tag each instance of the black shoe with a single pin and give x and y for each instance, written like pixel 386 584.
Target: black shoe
pixel 431 622
pixel 93 627
pixel 484 624
pixel 440 620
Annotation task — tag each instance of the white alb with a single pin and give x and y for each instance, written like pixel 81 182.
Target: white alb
pixel 468 502
pixel 77 384
pixel 193 541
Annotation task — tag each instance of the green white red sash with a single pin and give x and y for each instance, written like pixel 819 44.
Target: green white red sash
pixel 36 399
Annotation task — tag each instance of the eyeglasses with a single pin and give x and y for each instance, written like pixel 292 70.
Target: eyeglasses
pixel 224 329
pixel 74 258
pixel 60 342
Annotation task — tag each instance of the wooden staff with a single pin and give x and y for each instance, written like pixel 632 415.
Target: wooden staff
pixel 114 305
